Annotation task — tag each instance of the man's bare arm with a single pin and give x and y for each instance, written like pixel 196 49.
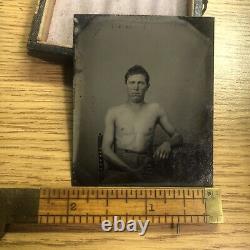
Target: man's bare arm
pixel 108 141
pixel 176 139
pixel 163 151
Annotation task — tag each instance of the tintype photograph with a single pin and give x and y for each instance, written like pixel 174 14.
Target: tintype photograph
pixel 143 101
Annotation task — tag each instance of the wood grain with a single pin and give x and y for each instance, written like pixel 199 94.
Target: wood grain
pixel 36 128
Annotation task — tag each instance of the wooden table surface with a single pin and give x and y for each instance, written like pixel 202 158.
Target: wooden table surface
pixel 36 128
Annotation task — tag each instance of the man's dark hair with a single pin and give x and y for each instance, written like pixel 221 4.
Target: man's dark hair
pixel 137 69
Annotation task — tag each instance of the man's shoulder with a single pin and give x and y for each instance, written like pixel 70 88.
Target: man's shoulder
pixel 155 106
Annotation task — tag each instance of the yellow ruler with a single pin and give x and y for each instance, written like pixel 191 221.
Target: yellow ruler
pixel 158 205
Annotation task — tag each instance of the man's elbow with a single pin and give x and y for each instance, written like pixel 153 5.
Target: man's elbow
pixel 179 139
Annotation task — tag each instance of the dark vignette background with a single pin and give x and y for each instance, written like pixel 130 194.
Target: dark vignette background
pixel 178 54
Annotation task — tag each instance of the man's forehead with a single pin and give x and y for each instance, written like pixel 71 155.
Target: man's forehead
pixel 137 77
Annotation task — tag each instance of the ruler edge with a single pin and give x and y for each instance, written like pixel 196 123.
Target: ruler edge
pixel 215 216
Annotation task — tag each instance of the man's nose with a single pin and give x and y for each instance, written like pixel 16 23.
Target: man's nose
pixel 137 86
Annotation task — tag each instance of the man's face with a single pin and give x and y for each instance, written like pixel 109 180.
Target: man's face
pixel 137 87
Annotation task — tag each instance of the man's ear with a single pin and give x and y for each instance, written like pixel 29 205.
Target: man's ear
pixel 148 85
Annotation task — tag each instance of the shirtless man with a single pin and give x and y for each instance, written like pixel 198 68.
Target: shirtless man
pixel 129 132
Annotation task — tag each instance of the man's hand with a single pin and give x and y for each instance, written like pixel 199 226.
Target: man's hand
pixel 163 151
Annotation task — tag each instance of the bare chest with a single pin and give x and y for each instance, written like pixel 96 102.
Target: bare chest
pixel 142 122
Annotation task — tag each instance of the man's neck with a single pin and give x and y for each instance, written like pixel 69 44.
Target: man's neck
pixel 135 105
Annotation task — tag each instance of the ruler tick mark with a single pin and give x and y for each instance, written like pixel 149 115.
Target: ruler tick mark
pixel 87 199
pixel 49 196
pixel 184 199
pixel 107 199
pixel 203 196
pixel 106 214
